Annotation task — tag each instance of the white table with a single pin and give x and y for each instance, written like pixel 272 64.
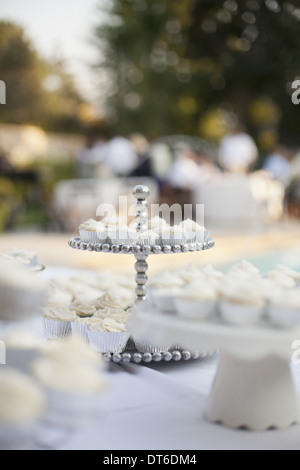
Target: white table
pixel 161 407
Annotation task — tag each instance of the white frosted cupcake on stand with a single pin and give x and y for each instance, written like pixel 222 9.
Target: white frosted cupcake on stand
pixel 284 308
pixel 241 301
pixel 108 336
pixel 196 301
pixel 122 235
pixel 157 224
pixel 195 232
pixel 162 289
pixel 57 321
pixel 282 279
pixel 212 275
pixel 288 272
pixel 190 273
pixel 120 299
pixel 174 235
pixel 92 231
pixel 148 237
pixel 22 406
pixel 244 268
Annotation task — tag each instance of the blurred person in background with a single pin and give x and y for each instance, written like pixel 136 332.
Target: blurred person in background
pixel 184 174
pixel 279 164
pixel 238 152
pixel 91 156
pixel 121 156
pixel 142 148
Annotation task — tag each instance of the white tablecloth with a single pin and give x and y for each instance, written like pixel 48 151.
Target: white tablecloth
pixel 161 407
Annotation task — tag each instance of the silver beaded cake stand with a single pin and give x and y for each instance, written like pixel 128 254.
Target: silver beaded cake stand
pixel 141 254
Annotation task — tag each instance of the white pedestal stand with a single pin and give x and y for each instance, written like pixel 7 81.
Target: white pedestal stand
pixel 253 387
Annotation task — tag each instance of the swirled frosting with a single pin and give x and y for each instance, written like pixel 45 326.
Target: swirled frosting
pixel 199 292
pixel 242 292
pixel 109 325
pixel 282 279
pixel 72 350
pixel 62 313
pixel 74 379
pixel 166 279
pixel 83 309
pixel 116 299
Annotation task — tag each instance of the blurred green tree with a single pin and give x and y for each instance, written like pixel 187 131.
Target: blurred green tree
pixel 185 66
pixel 37 92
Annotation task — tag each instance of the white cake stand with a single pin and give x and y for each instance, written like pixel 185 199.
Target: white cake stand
pixel 253 387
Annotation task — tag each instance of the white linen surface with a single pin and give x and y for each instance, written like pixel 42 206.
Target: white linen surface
pixel 160 407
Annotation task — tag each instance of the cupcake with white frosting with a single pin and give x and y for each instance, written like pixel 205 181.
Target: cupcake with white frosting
pixel 92 231
pixel 148 237
pixel 241 302
pixel 74 390
pixel 122 235
pixel 57 321
pixel 196 301
pixel 72 350
pixel 22 406
pixel 116 299
pixel 80 326
pixel 212 275
pixel 190 273
pixel 21 257
pixel 284 308
pixel 282 279
pixel 108 336
pixel 21 292
pixel 157 224
pixel 83 310
pixel 57 298
pixel 195 231
pixel 161 290
pixel 112 220
pixel 244 267
pixel 174 235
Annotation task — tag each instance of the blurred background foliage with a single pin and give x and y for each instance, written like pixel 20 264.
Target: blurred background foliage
pixel 193 66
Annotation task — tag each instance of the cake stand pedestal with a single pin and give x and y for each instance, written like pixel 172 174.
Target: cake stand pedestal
pixel 253 386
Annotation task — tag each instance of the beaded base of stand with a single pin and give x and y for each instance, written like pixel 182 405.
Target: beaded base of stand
pixel 137 357
pixel 78 244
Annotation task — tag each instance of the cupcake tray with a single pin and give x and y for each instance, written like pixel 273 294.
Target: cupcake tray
pixel 76 243
pixel 141 253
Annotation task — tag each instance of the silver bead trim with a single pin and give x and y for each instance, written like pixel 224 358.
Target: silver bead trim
pixel 77 244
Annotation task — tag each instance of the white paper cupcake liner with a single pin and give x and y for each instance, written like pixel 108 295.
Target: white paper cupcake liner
pixel 174 240
pixel 193 310
pixel 108 342
pixel 283 317
pixel 71 410
pixel 240 315
pixel 89 236
pixel 143 346
pixel 56 328
pixel 80 330
pixel 148 241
